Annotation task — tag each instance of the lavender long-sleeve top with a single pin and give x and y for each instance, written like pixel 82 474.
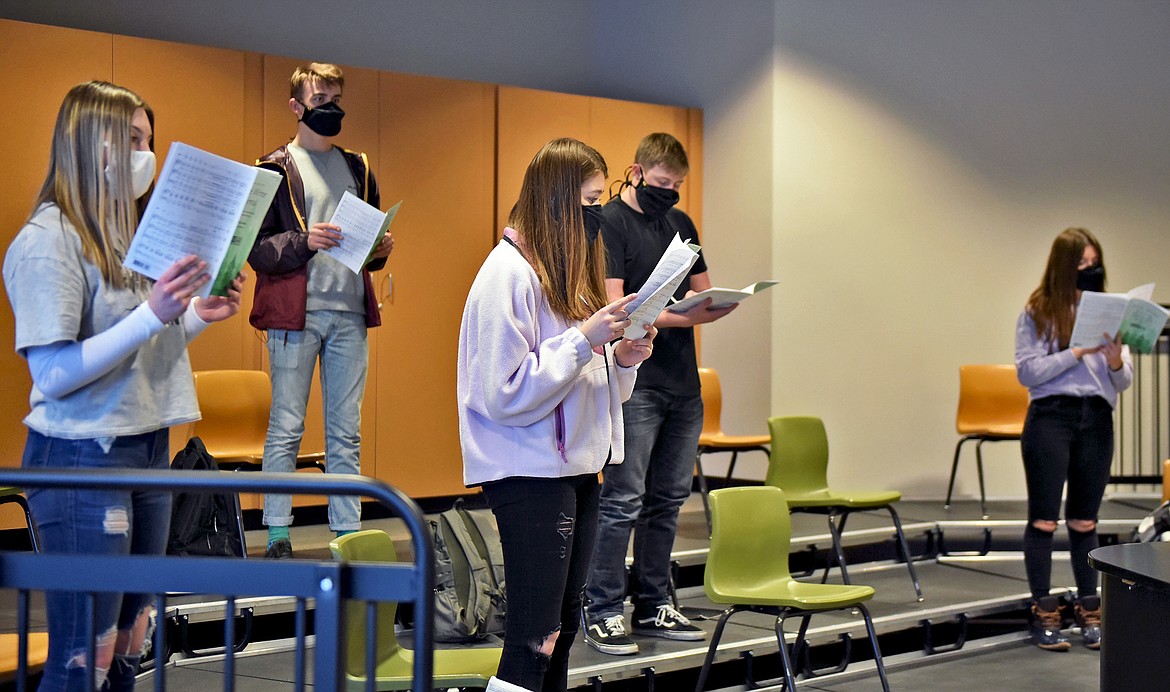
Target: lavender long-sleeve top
pixel 1045 371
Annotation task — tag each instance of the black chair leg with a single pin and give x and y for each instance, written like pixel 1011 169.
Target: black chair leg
pixel 979 465
pixel 785 655
pixel 873 641
pixel 715 636
pixel 703 488
pixel 954 469
pixel 731 464
pixel 33 537
pixel 835 530
pixel 904 547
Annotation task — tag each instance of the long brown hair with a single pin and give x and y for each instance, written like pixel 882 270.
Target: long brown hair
pixel 549 220
pixel 93 132
pixel 1053 305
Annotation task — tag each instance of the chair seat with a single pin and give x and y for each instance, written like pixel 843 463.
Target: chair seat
pixel 1006 431
pixel 842 498
pixel 719 440
pixel 38 651
pixel 789 593
pixel 476 665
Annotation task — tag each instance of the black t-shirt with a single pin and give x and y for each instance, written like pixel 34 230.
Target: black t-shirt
pixel 633 246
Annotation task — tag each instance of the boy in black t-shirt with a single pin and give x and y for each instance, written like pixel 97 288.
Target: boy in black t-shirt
pixel 663 418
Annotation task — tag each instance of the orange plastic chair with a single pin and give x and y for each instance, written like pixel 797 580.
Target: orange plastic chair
pixel 235 406
pixel 992 406
pixel 38 651
pixel 713 439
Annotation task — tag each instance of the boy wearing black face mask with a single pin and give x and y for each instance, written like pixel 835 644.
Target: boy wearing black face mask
pixel 311 306
pixel 663 418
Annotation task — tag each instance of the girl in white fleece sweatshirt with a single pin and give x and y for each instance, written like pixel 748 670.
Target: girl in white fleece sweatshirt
pixel 543 370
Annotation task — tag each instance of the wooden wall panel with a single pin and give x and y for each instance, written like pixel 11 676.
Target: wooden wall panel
pixel 206 111
pixel 438 141
pixel 527 120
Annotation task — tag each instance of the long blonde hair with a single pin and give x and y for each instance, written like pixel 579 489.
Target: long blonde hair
pixel 93 132
pixel 1053 304
pixel 549 219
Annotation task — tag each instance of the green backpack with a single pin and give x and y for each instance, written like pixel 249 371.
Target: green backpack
pixel 470 601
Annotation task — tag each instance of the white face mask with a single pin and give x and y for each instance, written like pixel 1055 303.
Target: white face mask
pixel 142 166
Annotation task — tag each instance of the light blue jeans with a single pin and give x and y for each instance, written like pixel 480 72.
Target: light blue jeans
pixel 338 340
pixel 643 495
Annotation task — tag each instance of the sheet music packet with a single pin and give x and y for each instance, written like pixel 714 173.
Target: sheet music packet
pixel 203 205
pixel 1133 314
pixel 652 298
pixel 363 226
pixel 720 297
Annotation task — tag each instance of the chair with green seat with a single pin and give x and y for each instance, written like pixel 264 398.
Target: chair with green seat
pixel 464 667
pixel 9 494
pixel 747 569
pixel 798 465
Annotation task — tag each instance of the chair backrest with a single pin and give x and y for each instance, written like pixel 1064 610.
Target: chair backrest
pixel 235 406
pixel 372 545
pixel 712 401
pixel 750 532
pixel 799 458
pixel 991 399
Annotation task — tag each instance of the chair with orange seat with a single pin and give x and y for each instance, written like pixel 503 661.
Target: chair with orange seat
pixel 9 494
pixel 992 406
pixel 713 439
pixel 10 655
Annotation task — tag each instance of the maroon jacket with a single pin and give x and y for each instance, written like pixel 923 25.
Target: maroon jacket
pixel 281 254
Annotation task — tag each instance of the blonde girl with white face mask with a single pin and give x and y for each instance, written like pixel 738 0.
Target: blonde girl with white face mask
pixel 107 351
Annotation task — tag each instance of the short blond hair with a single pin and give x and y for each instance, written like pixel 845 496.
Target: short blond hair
pixel 314 72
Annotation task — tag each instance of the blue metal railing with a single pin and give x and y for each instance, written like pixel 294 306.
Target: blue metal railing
pixel 329 583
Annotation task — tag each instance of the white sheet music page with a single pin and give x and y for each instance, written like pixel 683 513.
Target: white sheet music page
pixel 194 210
pixel 362 225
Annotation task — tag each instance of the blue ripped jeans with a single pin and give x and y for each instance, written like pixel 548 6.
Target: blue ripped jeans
pixel 99 522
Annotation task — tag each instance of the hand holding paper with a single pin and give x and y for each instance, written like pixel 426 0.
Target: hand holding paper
pixel 362 228
pixel 672 268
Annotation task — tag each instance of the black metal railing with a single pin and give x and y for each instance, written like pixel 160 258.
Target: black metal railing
pixel 330 584
pixel 1142 428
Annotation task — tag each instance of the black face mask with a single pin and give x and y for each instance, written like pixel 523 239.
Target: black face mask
pixel 1091 279
pixel 593 221
pixel 655 201
pixel 325 119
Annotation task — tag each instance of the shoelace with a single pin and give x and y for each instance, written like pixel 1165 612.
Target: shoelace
pixel 1049 619
pixel 615 625
pixel 1089 618
pixel 667 612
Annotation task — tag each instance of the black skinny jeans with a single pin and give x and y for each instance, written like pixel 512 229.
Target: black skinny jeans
pixel 548 529
pixel 1065 438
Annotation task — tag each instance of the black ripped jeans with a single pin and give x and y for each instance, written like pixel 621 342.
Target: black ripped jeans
pixel 548 528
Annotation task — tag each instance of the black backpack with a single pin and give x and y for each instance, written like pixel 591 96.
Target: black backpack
pixel 203 523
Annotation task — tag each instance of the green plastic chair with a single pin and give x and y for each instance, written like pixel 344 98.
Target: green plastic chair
pixel 10 494
pixel 469 666
pixel 798 465
pixel 747 568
